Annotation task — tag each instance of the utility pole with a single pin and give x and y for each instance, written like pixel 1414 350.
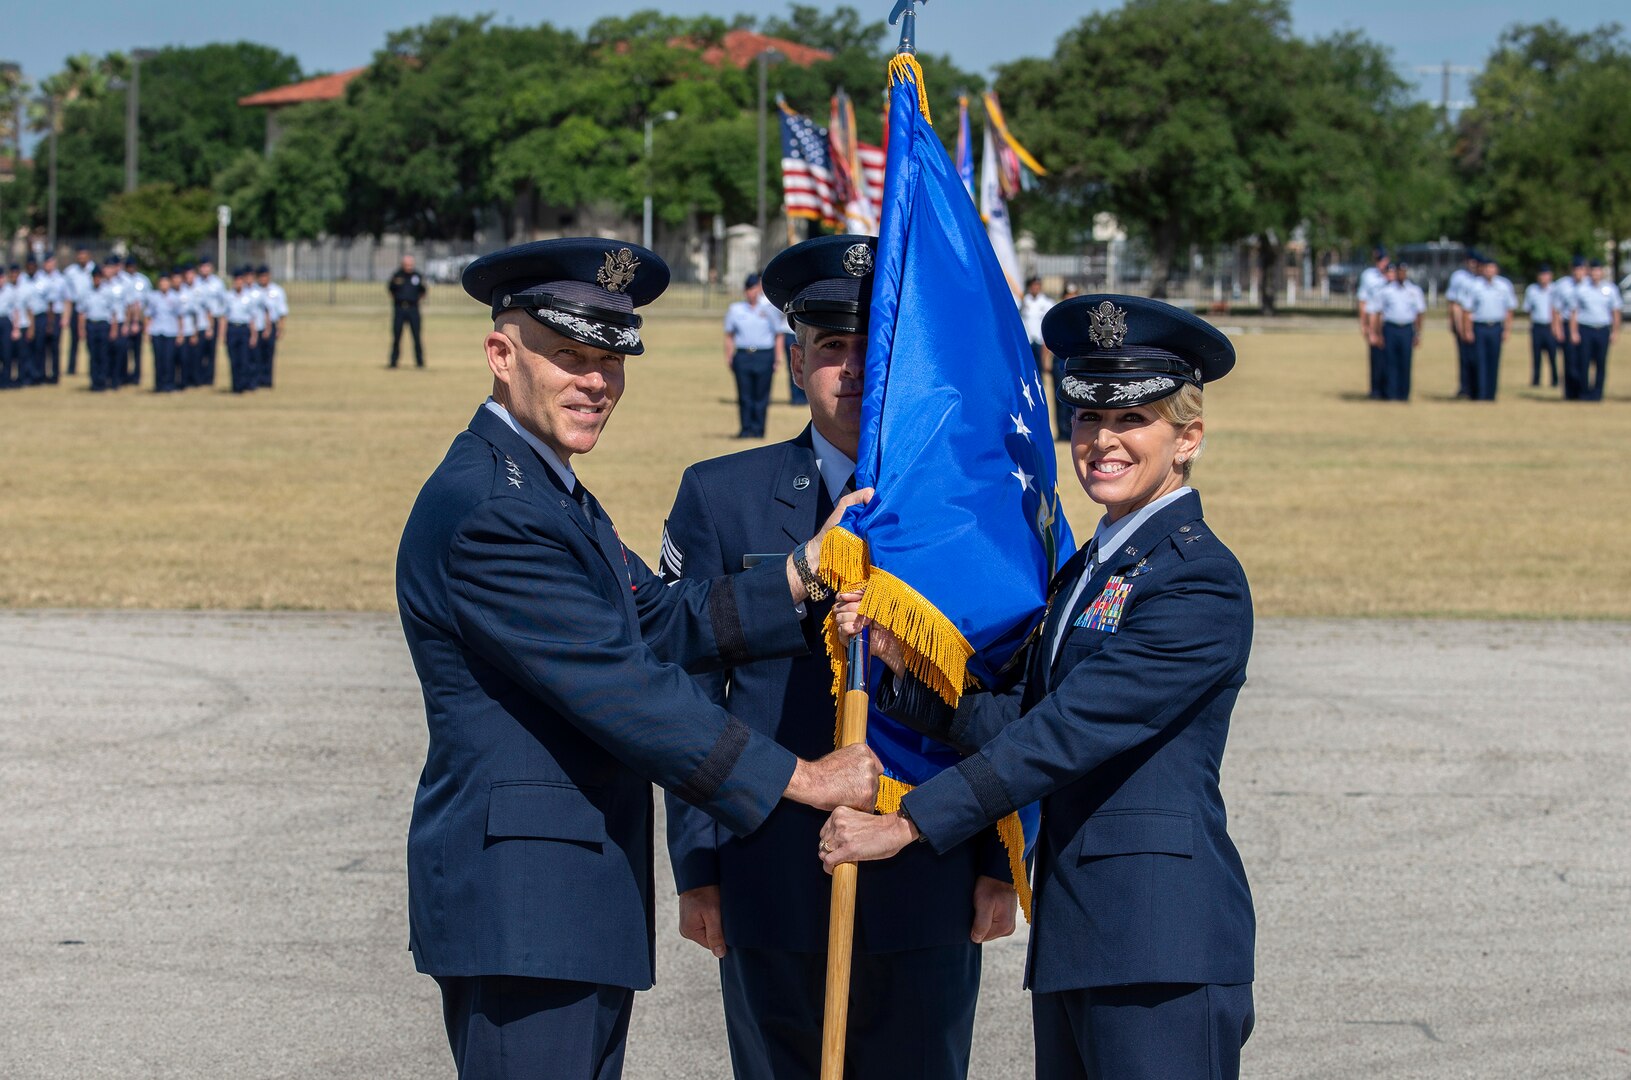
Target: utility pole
pixel 133 93
pixel 51 173
pixel 765 59
pixel 645 219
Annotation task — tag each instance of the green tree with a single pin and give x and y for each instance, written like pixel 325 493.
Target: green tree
pixel 160 223
pixel 1545 147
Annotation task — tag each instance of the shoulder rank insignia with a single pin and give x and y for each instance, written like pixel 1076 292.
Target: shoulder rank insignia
pixel 617 272
pixel 1105 612
pixel 514 470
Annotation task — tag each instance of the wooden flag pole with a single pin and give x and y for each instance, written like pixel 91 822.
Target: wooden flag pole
pixel 841 919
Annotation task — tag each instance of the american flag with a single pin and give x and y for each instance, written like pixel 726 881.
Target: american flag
pixel 810 189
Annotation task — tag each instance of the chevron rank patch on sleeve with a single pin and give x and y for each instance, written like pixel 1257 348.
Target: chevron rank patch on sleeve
pixel 671 561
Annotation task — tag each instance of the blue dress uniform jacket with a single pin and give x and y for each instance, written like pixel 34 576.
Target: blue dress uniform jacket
pixel 1137 880
pixel 776 895
pixel 553 665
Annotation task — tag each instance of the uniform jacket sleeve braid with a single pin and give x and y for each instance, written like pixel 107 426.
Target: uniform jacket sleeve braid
pixel 525 603
pixel 1177 646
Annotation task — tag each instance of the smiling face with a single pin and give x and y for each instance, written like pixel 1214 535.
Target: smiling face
pixel 829 366
pixel 561 390
pixel 1128 458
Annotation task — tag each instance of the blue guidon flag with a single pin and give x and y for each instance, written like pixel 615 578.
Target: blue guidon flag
pixel 964 530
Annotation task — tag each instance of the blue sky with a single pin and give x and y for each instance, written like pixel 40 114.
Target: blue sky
pixel 329 36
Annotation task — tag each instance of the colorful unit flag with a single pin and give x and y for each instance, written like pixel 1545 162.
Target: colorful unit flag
pixel 964 530
pixel 827 174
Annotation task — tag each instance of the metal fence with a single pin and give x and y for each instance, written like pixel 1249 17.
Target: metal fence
pixel 352 271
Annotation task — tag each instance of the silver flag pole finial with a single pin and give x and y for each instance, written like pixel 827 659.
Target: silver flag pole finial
pixel 906 12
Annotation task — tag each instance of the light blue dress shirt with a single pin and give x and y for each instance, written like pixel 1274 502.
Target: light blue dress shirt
pixel 1399 304
pixel 1488 300
pixel 1539 301
pixel 163 314
pixel 752 326
pixel 1596 302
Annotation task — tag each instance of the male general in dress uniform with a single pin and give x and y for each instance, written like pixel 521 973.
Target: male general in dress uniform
pixel 554 667
pixel 1594 325
pixel 1541 303
pixel 407 287
pixel 1490 301
pixel 759 902
pixel 1371 280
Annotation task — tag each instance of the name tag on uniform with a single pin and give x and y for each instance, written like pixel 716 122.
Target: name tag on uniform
pixel 750 561
pixel 1105 612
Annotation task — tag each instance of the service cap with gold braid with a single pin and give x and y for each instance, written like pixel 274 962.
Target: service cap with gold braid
pixel 585 288
pixel 1125 351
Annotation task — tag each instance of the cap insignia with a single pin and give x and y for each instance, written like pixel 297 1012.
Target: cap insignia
pixel 1108 327
pixel 617 272
pixel 858 260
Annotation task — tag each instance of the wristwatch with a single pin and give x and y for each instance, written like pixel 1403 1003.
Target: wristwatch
pixel 812 584
pixel 906 816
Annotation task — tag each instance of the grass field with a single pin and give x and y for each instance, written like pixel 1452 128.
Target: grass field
pixel 295 498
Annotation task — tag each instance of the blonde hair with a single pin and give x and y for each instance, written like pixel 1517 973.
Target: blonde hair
pixel 1180 410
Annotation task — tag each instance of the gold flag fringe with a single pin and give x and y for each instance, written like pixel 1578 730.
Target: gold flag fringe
pixel 936 653
pixel 903 67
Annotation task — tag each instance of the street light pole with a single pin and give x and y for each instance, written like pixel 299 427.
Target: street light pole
pixel 133 93
pixel 51 173
pixel 645 219
pixel 765 59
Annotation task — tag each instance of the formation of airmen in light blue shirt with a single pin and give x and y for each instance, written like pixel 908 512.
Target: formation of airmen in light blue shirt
pixel 115 311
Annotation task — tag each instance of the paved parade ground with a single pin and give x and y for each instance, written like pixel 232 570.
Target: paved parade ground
pixel 202 868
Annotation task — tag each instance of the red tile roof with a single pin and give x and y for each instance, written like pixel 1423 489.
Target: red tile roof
pixel 741 47
pixel 322 88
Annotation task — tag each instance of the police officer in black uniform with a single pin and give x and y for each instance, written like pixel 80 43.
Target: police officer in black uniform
pixel 407 288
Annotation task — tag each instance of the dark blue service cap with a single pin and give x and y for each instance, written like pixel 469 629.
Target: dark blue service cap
pixel 825 282
pixel 1596 264
pixel 114 260
pixel 15 268
pixel 1472 255
pixel 1579 260
pixel 1544 268
pixel 263 269
pixel 1125 351
pixel 1378 253
pixel 750 281
pixel 186 266
pixel 582 287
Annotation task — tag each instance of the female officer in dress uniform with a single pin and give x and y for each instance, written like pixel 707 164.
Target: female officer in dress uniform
pixel 1141 950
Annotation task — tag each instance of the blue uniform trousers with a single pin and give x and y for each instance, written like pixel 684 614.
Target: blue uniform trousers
pixel 1466 358
pixel 28 356
pixel 51 348
pixel 1486 346
pixel 406 315
pixel 238 358
pixel 98 348
pixel 1150 1031
pixel 1378 364
pixel 164 363
pixel 1398 349
pixel 7 379
pixel 1593 363
pixel 502 1026
pixel 753 369
pixel 206 359
pixel 268 356
pixel 911 1013
pixel 73 344
pixel 133 357
pixel 1542 340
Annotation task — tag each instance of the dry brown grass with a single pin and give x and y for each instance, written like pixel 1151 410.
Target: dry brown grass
pixel 295 498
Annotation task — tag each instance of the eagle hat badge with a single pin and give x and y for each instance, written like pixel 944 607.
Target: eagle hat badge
pixel 617 272
pixel 858 260
pixel 1107 325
